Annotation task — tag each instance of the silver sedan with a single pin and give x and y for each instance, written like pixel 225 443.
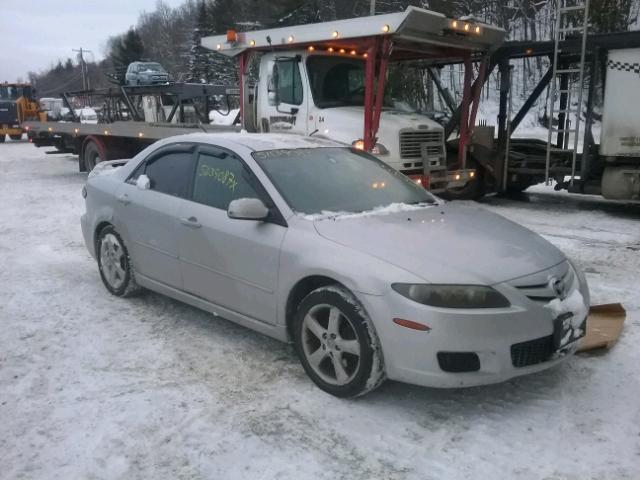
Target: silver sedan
pixel 311 242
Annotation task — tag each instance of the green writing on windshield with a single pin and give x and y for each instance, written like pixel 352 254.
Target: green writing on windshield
pixel 225 177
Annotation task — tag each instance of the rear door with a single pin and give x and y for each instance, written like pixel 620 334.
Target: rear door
pixel 149 218
pixel 232 263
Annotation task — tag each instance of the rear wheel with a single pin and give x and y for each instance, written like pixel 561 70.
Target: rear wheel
pixel 114 264
pixel 337 344
pixel 16 137
pixel 92 155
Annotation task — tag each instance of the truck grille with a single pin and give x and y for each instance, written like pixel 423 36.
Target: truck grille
pixel 532 352
pixel 411 143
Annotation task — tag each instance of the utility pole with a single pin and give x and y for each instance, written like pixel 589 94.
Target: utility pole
pixel 85 72
pixel 372 7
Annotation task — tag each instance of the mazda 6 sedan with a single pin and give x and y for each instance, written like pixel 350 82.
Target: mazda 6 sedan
pixel 311 242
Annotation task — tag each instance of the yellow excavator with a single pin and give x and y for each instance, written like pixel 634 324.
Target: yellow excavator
pixel 17 105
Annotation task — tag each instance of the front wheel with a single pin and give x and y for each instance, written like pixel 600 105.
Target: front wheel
pixel 337 344
pixel 114 264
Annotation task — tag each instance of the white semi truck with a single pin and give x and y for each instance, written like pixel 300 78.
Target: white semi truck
pixel 328 80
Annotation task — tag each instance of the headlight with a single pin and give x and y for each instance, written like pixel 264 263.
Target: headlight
pixel 452 296
pixel 378 148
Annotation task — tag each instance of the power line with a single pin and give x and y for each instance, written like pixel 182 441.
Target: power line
pixel 59 87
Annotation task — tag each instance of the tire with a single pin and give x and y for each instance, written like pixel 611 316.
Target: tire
pixel 2 137
pixel 114 264
pixel 15 137
pixel 331 329
pixel 92 155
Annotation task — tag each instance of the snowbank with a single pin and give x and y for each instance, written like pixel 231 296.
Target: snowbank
pixel 218 118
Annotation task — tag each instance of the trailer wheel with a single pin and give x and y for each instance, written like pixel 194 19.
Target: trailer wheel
pixel 93 152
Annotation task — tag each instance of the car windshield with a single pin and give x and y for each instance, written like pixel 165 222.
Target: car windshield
pixel 153 67
pixel 337 179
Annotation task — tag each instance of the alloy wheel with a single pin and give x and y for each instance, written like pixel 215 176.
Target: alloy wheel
pixel 330 344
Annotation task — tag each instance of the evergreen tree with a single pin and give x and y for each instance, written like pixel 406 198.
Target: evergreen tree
pixel 124 50
pixel 222 16
pixel 200 59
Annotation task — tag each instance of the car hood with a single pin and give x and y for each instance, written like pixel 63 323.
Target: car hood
pixel 447 243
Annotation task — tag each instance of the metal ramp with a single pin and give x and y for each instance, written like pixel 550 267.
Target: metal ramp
pixel 567 86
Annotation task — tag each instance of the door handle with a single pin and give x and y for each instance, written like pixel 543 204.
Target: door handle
pixel 191 222
pixel 124 199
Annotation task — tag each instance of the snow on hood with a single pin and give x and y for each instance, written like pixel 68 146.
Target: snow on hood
pixel 449 243
pixel 385 210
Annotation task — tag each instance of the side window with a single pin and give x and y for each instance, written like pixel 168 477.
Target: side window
pixel 221 178
pixel 289 82
pixel 171 173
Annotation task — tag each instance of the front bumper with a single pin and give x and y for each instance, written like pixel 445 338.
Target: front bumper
pixel 498 337
pixel 10 130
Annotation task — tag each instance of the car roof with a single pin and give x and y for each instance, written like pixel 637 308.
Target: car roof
pixel 260 141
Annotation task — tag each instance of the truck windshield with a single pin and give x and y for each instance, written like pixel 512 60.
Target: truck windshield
pixel 10 92
pixel 337 179
pixel 336 81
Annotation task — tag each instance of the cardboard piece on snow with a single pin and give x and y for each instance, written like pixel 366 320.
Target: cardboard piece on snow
pixel 604 326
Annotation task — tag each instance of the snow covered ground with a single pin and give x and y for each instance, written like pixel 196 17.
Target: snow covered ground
pixel 92 386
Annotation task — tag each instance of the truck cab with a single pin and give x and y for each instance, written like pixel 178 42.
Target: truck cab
pixel 321 93
pixel 17 104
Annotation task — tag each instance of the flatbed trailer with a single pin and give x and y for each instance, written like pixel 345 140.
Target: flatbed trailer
pixel 123 131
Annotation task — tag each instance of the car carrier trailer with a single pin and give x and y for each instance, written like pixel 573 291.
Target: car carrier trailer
pixel 610 168
pixel 325 79
pixel 131 118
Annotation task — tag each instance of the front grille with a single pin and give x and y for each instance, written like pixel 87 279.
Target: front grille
pixel 538 291
pixel 411 142
pixel 532 352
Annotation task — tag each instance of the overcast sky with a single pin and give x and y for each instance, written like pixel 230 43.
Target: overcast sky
pixel 36 33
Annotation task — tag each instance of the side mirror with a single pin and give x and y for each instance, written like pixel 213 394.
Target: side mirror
pixel 143 182
pixel 247 209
